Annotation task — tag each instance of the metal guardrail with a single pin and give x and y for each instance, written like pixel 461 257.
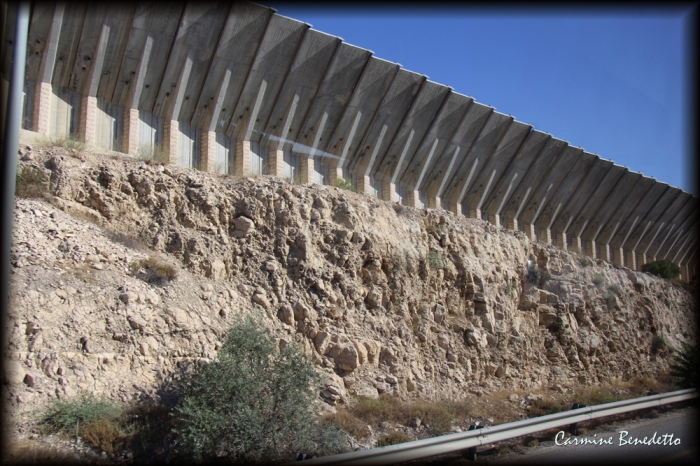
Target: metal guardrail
pixel 464 440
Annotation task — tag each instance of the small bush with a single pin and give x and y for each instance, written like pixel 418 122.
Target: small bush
pixel 609 297
pixel 31 181
pixel 69 143
pixel 585 261
pixel 151 154
pixel 615 289
pixel 436 260
pixel 686 366
pixel 343 183
pixel 598 279
pixel 252 403
pixel 663 269
pixel 657 344
pixel 153 270
pixel 394 438
pixel 72 416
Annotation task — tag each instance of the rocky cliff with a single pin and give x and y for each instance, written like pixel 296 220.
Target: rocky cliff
pixel 385 298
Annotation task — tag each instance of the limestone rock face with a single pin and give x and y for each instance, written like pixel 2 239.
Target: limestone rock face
pixel 416 303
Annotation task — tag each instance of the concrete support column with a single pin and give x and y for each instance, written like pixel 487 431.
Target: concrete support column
pixel 576 245
pixel 590 249
pixel 631 260
pixel 389 192
pixel 242 160
pixel 618 256
pixel 474 213
pixel 88 120
pixel 495 220
pixel 529 230
pixel 42 108
pixel 434 202
pixel 334 174
pixel 455 208
pixel 605 253
pixel 306 169
pixel 641 260
pixel 276 162
pixel 560 241
pixel 546 235
pixel 512 223
pixel 171 130
pixel 208 151
pixel 130 137
pixel 363 184
pixel 685 276
pixel 413 198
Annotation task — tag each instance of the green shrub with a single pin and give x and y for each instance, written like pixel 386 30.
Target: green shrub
pixel 343 183
pixel 436 260
pixel 252 403
pixel 657 344
pixel 609 297
pixel 686 366
pixel 598 279
pixel 585 261
pixel 72 416
pixel 31 181
pixel 662 268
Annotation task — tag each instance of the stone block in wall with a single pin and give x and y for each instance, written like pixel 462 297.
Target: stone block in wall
pixel 208 151
pixel 130 137
pixel 87 132
pixel 43 93
pixel 276 162
pixel 171 139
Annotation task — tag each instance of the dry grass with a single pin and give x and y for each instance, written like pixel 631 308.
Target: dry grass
pixel 394 438
pixel 437 416
pixel 31 182
pixel 153 270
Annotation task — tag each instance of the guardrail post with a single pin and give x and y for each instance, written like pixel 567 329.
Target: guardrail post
pixel 471 452
pixel 573 428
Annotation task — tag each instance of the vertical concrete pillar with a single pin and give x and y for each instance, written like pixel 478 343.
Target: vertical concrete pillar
pixel 576 245
pixel 171 133
pixel 306 168
pixel 512 223
pixel 363 184
pixel 413 198
pixel 591 249
pixel 389 192
pixel 208 151
pixel 130 137
pixel 88 120
pixel 630 260
pixel 529 230
pixel 474 213
pixel 605 253
pixel 434 202
pixel 276 162
pixel 641 260
pixel 618 256
pixel 495 220
pixel 560 241
pixel 242 160
pixel 334 174
pixel 42 108
pixel 684 273
pixel 455 208
pixel 546 235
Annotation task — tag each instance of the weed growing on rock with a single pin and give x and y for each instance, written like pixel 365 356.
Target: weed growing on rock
pixel 70 143
pixel 598 279
pixel 343 183
pixel 436 260
pixel 584 261
pixel 153 270
pixel 31 181
pixel 658 344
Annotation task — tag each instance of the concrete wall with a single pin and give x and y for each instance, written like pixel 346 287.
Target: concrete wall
pixel 237 89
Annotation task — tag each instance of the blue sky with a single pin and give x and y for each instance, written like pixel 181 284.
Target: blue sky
pixel 613 81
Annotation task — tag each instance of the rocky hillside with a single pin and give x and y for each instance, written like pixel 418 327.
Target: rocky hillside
pixel 386 299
